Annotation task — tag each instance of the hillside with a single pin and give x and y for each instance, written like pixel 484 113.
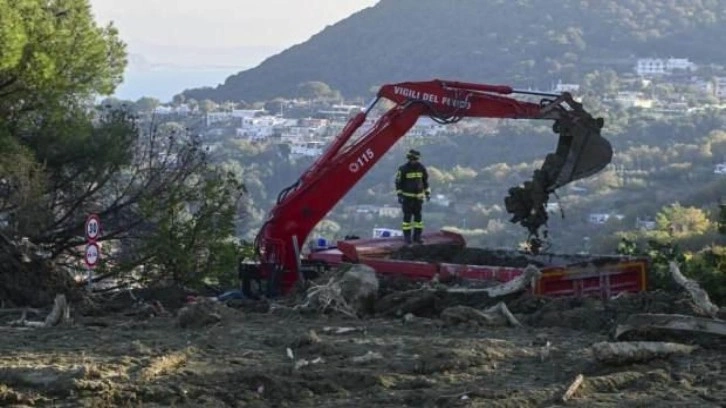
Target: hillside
pixel 520 42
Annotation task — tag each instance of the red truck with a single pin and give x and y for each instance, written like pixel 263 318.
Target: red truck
pixel 561 274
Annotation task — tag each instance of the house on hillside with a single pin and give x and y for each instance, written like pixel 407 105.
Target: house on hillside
pixel 720 168
pixel 631 99
pixel 258 128
pixel 166 110
pixel 339 111
pixel 720 87
pixel 662 66
pixel 306 149
pixel 602 218
pixel 563 87
pixel 646 224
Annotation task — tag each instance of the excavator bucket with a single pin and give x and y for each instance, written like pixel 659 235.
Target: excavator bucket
pixel 581 152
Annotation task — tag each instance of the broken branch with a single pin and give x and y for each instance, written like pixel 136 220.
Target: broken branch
pixel 672 323
pixel 502 309
pixel 59 314
pixel 637 351
pixel 496 315
pixel 518 284
pixel 699 296
pixel 572 389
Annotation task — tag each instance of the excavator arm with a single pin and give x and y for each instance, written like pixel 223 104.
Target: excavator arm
pixel 580 152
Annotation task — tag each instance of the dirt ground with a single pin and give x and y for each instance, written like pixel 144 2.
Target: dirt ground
pixel 256 356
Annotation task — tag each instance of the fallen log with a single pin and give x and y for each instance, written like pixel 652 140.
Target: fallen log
pixel 699 296
pixel 60 313
pixel 637 351
pixel 497 315
pixel 518 284
pixel 676 324
pixel 572 389
pixel 502 309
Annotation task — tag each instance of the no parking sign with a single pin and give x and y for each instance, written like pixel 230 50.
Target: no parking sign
pixel 93 253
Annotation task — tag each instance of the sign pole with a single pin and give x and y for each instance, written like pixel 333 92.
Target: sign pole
pixel 93 250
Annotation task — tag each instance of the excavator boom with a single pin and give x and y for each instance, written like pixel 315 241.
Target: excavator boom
pixel 581 151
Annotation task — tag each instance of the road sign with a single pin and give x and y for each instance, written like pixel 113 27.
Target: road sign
pixel 93 227
pixel 93 253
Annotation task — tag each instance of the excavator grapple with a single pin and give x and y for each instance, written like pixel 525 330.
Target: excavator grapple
pixel 581 152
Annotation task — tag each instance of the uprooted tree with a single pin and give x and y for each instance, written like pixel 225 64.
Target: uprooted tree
pixel 61 158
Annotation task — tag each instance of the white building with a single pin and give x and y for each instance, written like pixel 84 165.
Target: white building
pixel 602 218
pixel 647 224
pixel 720 87
pixel 258 128
pixel 301 130
pixel 215 117
pixel 341 111
pixel 660 66
pixel 632 99
pixel 163 110
pixel 672 64
pixel 306 149
pixel 560 87
pixel 246 113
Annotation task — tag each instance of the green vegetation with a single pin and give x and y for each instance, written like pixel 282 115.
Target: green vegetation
pixel 161 203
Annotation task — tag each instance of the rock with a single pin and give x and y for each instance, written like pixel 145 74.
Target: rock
pixel 367 357
pixel 202 313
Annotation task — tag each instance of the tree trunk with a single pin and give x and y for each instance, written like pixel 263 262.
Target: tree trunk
pixel 27 280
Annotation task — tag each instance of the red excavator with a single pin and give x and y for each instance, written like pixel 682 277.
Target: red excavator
pixel 581 152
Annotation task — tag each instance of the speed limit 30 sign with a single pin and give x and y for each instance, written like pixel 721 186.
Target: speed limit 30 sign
pixel 93 227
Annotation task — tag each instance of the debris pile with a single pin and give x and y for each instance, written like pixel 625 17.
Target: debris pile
pixel 351 291
pixel 28 278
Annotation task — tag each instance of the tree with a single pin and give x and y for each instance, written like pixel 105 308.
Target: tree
pixel 146 104
pixel 679 222
pixel 61 158
pixel 317 90
pixel 191 242
pixel 207 106
pixel 601 82
pixel 54 55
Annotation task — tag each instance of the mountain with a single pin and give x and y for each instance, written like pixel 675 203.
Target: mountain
pixel 159 71
pixel 517 42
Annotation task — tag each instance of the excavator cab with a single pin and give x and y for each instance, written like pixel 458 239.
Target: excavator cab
pixel 581 152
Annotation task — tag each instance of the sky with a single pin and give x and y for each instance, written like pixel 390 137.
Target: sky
pixel 148 25
pixel 178 44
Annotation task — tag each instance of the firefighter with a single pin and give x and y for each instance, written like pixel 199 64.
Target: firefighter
pixel 412 186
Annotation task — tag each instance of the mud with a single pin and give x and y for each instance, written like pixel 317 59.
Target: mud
pixel 273 357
